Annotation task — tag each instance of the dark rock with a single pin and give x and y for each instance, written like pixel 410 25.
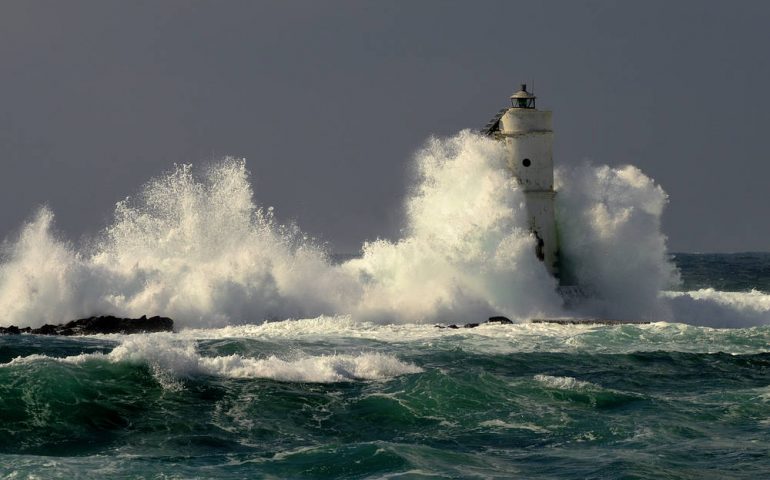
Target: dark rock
pixel 500 320
pixel 112 324
pixel 108 324
pixel 12 330
pixel 470 325
pixel 452 326
pixel 46 330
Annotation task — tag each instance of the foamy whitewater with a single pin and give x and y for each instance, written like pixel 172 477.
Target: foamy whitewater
pixel 288 364
pixel 200 249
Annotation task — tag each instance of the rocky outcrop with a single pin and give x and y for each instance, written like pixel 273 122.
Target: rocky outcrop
pixel 557 321
pixel 99 325
pixel 500 320
pixel 13 330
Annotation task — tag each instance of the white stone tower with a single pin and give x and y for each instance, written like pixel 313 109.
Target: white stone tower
pixel 528 136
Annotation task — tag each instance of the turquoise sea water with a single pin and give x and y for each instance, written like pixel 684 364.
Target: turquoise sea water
pixel 334 398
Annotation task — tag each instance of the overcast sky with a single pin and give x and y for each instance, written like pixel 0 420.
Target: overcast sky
pixel 329 101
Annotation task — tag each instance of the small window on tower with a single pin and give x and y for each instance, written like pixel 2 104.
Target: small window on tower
pixel 526 162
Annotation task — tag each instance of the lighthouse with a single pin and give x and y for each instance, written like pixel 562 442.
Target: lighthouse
pixel 528 137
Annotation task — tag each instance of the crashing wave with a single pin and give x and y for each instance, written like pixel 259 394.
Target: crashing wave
pixel 200 249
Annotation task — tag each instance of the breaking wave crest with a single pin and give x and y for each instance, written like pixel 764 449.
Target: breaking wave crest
pixel 181 358
pixel 713 308
pixel 565 383
pixel 197 247
pixel 171 359
pixel 466 253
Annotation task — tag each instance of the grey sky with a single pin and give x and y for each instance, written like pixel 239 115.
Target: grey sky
pixel 328 101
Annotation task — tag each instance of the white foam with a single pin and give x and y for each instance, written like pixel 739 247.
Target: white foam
pixel 565 383
pixel 315 369
pixel 502 339
pixel 497 423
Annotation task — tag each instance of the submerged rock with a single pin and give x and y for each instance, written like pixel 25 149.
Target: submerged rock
pixel 99 325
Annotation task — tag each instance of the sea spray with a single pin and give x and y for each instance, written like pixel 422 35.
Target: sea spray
pixel 203 251
pixel 467 252
pixel 609 221
pixel 197 247
pixel 44 279
pixel 198 250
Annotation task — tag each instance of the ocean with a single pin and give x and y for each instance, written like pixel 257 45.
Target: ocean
pixel 331 398
pixel 291 363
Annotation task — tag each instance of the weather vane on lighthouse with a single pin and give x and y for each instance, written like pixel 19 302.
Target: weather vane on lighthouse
pixel 528 138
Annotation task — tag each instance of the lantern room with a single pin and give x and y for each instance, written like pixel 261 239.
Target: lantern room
pixel 522 98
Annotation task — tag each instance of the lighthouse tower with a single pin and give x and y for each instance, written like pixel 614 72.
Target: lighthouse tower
pixel 528 138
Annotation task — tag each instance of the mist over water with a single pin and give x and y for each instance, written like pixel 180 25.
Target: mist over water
pixel 197 246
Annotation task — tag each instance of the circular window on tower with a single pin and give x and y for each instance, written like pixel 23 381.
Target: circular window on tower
pixel 526 162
